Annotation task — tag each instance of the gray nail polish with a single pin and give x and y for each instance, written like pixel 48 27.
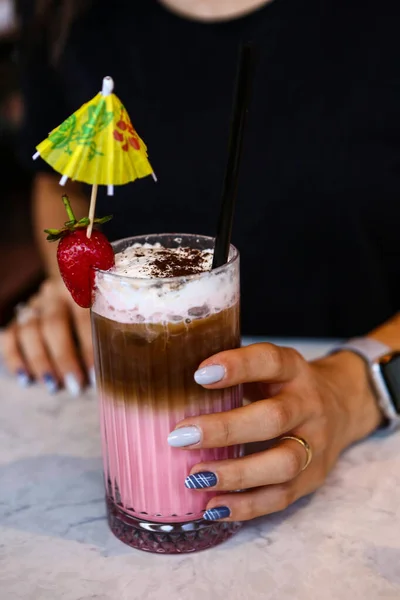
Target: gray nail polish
pixel 23 378
pixel 50 383
pixel 92 377
pixel 219 512
pixel 210 374
pixel 184 436
pixel 198 481
pixel 72 385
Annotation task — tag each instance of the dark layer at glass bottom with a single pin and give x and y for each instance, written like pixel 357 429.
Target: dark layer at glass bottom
pixel 163 538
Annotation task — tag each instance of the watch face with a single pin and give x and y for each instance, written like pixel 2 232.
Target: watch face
pixel 390 370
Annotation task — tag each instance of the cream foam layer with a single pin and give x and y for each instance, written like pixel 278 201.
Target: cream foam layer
pixel 128 294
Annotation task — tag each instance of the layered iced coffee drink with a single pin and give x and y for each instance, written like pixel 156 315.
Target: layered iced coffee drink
pixel 156 316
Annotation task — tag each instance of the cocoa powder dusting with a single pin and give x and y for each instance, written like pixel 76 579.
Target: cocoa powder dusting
pixel 158 262
pixel 189 261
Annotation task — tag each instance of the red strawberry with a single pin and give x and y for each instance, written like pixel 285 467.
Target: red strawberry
pixel 77 255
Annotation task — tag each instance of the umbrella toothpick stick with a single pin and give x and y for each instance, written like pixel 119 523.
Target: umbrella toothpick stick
pixel 92 209
pixel 107 89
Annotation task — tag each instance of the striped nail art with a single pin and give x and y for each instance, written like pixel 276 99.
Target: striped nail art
pixel 197 481
pixel 219 512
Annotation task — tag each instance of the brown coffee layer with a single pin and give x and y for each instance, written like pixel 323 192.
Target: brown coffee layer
pixel 154 363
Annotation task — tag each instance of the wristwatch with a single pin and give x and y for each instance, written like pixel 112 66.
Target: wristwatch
pixel 384 368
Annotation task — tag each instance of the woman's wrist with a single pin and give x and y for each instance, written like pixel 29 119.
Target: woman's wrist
pixel 348 376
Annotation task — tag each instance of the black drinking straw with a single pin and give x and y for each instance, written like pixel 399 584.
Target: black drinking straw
pixel 241 101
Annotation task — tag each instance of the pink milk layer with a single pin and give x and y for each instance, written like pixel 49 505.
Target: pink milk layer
pixel 146 474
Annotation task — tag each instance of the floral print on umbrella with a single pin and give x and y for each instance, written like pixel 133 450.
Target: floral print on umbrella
pixel 126 133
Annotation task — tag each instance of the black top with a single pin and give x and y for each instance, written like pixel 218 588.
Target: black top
pixel 318 213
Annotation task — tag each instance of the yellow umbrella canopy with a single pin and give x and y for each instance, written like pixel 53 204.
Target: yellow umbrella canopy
pixel 97 145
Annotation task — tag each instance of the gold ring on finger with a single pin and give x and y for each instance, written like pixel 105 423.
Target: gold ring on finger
pixel 303 443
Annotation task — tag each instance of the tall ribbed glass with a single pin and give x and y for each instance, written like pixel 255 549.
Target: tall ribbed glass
pixel 150 335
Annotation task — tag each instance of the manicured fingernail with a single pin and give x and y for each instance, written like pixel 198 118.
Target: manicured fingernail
pixel 210 374
pixel 92 377
pixel 23 378
pixel 184 436
pixel 72 385
pixel 220 512
pixel 197 481
pixel 50 383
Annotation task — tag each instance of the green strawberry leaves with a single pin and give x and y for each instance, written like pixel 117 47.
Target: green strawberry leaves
pixel 53 235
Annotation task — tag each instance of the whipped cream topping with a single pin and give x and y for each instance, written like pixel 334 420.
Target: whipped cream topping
pixel 154 261
pixel 132 292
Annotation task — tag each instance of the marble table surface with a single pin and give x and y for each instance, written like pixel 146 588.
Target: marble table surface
pixel 343 542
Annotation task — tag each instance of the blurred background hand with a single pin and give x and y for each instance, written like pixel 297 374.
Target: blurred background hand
pixel 49 341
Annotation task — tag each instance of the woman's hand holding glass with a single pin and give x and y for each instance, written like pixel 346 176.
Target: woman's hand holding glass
pixel 325 406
